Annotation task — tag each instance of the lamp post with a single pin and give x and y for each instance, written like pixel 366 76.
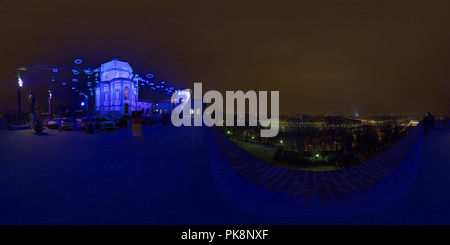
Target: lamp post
pixel 49 98
pixel 20 82
pixel 84 104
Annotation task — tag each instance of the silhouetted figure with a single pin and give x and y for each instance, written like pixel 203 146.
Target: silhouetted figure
pixel 425 124
pixel 31 101
pixel 430 120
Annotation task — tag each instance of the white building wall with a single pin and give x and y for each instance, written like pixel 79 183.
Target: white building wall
pixel 110 95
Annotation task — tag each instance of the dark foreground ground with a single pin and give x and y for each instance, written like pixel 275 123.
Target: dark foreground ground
pixel 171 176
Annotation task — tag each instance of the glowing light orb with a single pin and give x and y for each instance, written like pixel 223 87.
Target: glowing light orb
pixel 75 72
pixel 157 86
pixel 88 72
pixel 151 84
pixel 78 61
pixel 55 70
pixel 162 82
pixel 74 80
pixel 149 75
pixel 64 84
pixel 73 87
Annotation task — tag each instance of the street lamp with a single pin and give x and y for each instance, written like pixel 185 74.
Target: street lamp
pixel 20 82
pixel 84 104
pixel 49 98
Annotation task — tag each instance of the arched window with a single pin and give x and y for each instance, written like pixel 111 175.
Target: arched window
pixel 117 95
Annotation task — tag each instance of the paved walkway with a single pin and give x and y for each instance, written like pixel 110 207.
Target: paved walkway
pixel 175 176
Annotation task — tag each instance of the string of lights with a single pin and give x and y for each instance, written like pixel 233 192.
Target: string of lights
pixel 88 77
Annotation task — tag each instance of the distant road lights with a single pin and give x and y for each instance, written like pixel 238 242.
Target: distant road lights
pixel 82 103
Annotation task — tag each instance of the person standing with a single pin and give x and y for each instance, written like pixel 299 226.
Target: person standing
pixel 425 124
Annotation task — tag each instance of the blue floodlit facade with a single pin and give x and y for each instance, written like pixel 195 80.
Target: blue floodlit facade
pixel 117 92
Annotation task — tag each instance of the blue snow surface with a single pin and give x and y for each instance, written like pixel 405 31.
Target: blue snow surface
pixel 176 176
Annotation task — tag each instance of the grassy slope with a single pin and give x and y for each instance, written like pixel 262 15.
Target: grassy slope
pixel 266 153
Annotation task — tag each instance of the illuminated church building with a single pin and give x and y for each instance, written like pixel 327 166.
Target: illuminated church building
pixel 117 93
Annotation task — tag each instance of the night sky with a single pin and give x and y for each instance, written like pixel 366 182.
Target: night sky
pixel 323 56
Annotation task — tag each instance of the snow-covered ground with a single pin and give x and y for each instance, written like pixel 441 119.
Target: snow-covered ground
pixel 171 176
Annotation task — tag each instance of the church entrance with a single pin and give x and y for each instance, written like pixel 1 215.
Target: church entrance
pixel 125 109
